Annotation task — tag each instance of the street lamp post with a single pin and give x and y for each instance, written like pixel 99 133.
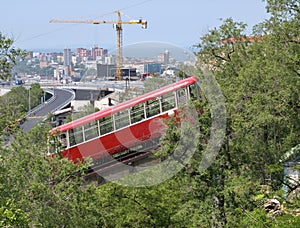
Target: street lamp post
pixel 129 78
pixel 29 105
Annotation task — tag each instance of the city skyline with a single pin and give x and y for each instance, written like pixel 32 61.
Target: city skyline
pixel 175 22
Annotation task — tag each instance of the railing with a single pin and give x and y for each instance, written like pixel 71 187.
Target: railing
pixel 67 101
pixel 40 106
pixel 51 91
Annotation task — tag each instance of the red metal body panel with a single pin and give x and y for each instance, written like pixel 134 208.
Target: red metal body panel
pixel 127 137
pixel 116 142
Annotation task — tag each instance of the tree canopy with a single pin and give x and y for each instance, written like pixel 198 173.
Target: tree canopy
pixel 258 74
pixel 8 56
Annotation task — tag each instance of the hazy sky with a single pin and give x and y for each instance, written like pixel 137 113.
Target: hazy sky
pixel 173 21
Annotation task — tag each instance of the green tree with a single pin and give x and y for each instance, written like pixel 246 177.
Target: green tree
pixel 259 76
pixel 35 95
pixel 37 190
pixel 15 104
pixel 8 56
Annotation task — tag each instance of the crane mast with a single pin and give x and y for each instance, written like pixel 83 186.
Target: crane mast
pixel 118 26
pixel 119 55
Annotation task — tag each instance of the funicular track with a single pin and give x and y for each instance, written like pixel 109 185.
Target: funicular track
pixel 128 157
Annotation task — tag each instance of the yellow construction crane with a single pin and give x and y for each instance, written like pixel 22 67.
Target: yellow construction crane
pixel 118 26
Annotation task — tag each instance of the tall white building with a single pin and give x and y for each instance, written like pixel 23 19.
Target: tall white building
pixel 67 57
pixel 164 57
pixel 67 61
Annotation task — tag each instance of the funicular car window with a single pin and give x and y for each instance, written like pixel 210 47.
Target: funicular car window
pixel 194 91
pixel 72 139
pixel 63 140
pixel 75 136
pixel 137 113
pixel 91 130
pixel 168 101
pixel 182 96
pixel 152 107
pixel 121 118
pixel 106 125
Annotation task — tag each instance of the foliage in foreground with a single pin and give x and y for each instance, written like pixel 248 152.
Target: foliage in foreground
pixel 260 81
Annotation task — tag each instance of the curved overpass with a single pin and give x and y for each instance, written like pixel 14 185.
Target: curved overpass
pixel 60 98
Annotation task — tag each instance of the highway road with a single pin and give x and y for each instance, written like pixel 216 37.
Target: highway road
pixel 60 99
pixel 64 95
